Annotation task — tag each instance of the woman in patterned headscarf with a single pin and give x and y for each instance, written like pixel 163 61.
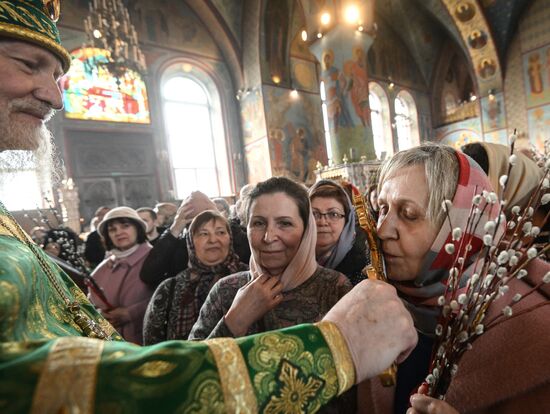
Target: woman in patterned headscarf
pixel 175 305
pixel 285 285
pixel 413 230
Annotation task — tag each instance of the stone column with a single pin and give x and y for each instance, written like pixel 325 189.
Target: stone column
pixel 342 52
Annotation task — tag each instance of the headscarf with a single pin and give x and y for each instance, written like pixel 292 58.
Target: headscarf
pixel 420 296
pixel 199 279
pixel 524 176
pixel 301 266
pixel 347 237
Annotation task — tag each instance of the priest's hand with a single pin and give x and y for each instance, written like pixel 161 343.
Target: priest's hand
pixel 376 325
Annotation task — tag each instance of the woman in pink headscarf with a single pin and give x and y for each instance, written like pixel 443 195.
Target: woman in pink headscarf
pixel 509 364
pixel 285 286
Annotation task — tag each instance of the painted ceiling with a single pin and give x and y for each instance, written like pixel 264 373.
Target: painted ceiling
pixel 423 25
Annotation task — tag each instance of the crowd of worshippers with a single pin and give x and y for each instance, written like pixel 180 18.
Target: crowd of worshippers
pixel 202 270
pixel 167 272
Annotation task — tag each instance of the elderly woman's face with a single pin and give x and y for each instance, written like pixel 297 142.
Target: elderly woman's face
pixel 405 231
pixel 275 230
pixel 211 242
pixel 330 219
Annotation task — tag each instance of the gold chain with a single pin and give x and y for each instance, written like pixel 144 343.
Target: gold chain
pixel 89 327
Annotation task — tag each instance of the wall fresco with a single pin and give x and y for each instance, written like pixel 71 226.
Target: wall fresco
pixel 536 74
pixel 257 161
pixel 304 75
pixel 539 125
pixel 253 118
pixel 296 138
pixel 460 133
pixel 493 112
pixel 497 137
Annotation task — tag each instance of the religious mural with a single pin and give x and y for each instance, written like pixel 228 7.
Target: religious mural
pixel 467 131
pixel 296 140
pixel 339 112
pixel 257 161
pixel 460 133
pixel 304 75
pixel 253 119
pixel 497 137
pixel 539 125
pixel 493 112
pixel 346 90
pixel 536 67
pixel 91 93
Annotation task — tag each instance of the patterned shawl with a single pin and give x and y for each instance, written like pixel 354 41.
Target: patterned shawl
pixel 420 296
pixel 198 279
pixel 303 264
pixel 347 237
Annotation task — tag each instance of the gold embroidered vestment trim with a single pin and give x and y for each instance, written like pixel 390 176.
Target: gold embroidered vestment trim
pixel 237 388
pixel 68 380
pixel 345 370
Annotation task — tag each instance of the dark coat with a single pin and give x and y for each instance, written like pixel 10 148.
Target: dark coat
pixel 94 252
pixel 357 258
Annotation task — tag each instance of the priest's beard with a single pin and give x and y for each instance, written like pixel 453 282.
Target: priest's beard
pixel 27 147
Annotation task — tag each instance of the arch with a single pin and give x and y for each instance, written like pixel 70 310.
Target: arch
pixel 229 46
pixel 406 121
pixel 380 120
pixel 195 130
pixel 479 43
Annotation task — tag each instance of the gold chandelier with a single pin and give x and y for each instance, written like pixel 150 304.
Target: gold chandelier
pixel 108 27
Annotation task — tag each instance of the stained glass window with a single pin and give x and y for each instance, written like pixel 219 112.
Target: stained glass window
pixel 92 93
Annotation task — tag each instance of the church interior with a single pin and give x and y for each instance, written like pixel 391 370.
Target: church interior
pixel 293 205
pixel 225 93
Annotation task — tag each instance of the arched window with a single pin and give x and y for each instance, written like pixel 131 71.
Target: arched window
pixel 195 132
pixel 90 92
pixel 406 121
pixel 380 121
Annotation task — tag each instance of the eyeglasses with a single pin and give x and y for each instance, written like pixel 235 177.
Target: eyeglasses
pixel 53 9
pixel 331 216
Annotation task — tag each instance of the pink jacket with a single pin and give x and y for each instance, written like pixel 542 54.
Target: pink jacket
pixel 122 286
pixel 508 369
